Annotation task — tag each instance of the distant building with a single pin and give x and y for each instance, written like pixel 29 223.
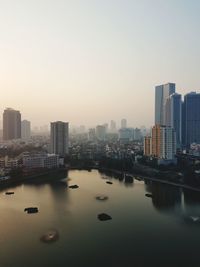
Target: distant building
pixel 137 134
pixel 123 123
pixel 59 139
pixel 163 143
pixel 147 146
pixel 191 119
pixel 173 116
pixel 11 124
pixel 92 134
pixel 101 132
pixel 113 127
pixel 162 92
pixel 126 134
pixel 25 130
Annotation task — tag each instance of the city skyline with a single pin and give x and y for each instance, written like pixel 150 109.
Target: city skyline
pixel 91 59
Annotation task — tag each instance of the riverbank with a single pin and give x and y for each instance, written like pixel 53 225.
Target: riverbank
pixel 37 177
pixel 143 177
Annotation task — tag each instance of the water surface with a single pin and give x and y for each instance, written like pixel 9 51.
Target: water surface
pixel 160 231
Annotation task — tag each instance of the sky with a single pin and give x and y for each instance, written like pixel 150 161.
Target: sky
pixel 90 61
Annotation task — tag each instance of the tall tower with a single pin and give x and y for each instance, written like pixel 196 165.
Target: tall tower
pixel 11 124
pixel 123 123
pixel 59 138
pixel 191 119
pixel 173 116
pixel 162 92
pixel 26 129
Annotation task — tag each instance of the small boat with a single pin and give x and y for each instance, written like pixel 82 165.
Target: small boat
pixel 9 193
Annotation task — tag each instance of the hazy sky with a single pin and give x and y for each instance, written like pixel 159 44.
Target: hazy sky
pixel 89 61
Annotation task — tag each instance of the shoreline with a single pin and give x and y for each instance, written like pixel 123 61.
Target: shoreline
pixel 184 186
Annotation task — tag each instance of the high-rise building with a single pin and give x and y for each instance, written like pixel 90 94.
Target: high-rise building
pixel 162 92
pixel 11 124
pixel 191 119
pixel 163 142
pixel 59 138
pixel 113 127
pixel 147 146
pixel 173 116
pixel 92 134
pixel 123 123
pixel 25 130
pixel 101 132
pixel 126 134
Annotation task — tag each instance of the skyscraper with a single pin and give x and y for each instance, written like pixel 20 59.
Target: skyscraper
pixel 162 92
pixel 191 119
pixel 113 127
pixel 11 124
pixel 163 142
pixel 59 138
pixel 101 132
pixel 25 130
pixel 173 116
pixel 123 123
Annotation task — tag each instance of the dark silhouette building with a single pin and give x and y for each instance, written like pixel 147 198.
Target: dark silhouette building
pixel 11 124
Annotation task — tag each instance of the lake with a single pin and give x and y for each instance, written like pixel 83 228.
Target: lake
pixel 162 229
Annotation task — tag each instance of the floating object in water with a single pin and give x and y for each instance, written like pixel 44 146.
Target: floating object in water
pixel 9 193
pixel 31 210
pixel 108 182
pixel 148 195
pixel 104 217
pixel 102 197
pixel 50 237
pixel 74 186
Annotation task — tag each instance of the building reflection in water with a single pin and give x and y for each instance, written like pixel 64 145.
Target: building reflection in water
pixel 164 197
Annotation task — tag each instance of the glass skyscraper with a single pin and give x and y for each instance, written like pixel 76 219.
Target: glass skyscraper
pixel 162 92
pixel 191 119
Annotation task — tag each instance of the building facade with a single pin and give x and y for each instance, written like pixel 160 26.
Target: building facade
pixel 11 124
pixel 162 92
pixel 59 138
pixel 191 119
pixel 173 116
pixel 163 140
pixel 25 130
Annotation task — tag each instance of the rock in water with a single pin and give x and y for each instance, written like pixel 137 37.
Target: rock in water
pixel 104 217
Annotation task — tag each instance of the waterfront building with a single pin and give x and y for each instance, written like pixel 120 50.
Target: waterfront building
pixel 163 143
pixel 25 130
pixel 191 119
pixel 40 160
pixel 173 116
pixel 59 138
pixel 147 146
pixel 123 123
pixel 11 124
pixel 162 92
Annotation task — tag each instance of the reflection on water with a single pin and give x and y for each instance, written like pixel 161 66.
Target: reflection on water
pixel 161 230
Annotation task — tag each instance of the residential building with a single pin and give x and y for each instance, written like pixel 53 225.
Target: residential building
pixel 191 119
pixel 25 130
pixel 11 124
pixel 59 138
pixel 173 116
pixel 162 92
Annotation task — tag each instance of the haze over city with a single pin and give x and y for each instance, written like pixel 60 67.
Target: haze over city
pixel 91 61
